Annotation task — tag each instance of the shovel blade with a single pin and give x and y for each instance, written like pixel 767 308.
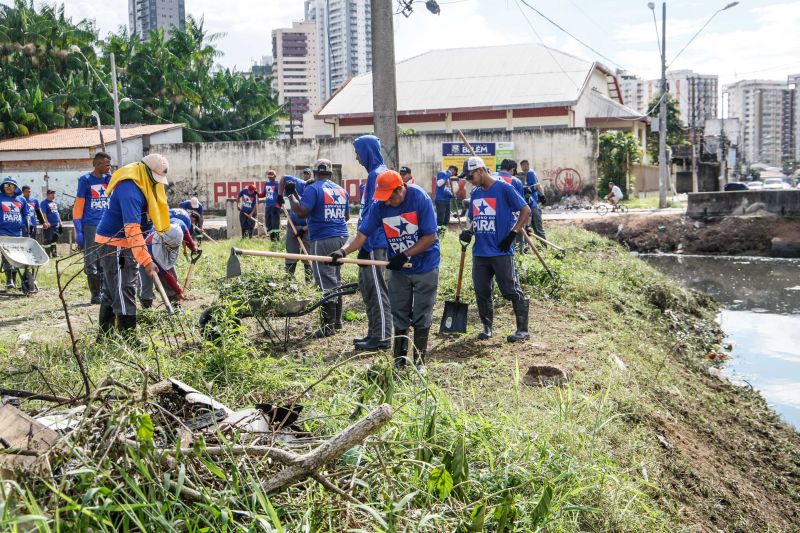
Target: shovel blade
pixel 454 317
pixel 234 268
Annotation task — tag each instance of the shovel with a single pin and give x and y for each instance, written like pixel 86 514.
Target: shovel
pixel 541 259
pixel 234 268
pixel 454 317
pixel 294 230
pixel 191 269
pixel 203 233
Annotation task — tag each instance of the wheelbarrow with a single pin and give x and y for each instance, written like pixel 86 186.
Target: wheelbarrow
pixel 212 328
pixel 22 257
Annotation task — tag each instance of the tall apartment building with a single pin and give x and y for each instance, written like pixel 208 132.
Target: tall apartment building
pixel 295 72
pixel 697 96
pixel 794 86
pixel 146 15
pixel 766 111
pixel 344 40
pixel 633 91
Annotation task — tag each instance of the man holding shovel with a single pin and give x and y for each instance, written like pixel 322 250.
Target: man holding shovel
pixel 495 229
pixel 407 216
pixel 325 205
pixel 291 186
pixel 248 210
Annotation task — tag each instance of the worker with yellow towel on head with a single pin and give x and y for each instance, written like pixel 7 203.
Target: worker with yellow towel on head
pixel 138 203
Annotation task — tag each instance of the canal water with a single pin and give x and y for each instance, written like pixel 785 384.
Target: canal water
pixel 761 318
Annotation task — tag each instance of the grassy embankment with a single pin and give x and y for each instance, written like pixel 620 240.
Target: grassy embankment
pixel 641 439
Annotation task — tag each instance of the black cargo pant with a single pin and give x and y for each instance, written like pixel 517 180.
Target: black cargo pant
pixel 502 269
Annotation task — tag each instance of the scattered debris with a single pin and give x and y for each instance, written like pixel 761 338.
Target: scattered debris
pixel 620 363
pixel 22 441
pixel 666 444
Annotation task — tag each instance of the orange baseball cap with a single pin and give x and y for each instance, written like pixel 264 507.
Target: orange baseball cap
pixel 388 181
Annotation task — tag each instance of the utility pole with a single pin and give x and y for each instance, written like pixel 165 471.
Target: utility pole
pixel 723 160
pixel 115 95
pixel 693 115
pixel 384 88
pixel 662 115
pixel 291 118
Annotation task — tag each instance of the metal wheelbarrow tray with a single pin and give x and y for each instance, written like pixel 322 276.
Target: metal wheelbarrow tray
pixel 25 255
pixel 287 310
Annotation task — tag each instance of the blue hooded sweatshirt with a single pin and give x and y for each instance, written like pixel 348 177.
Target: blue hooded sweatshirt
pixel 14 211
pixel 368 148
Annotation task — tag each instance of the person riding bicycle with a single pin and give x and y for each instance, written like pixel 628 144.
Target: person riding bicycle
pixel 615 195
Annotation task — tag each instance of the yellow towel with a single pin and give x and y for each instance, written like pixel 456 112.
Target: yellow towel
pixel 154 193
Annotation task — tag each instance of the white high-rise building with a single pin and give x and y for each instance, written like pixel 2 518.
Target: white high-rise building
pixel 794 86
pixel 146 15
pixel 697 96
pixel 633 91
pixel 764 108
pixel 344 40
pixel 295 72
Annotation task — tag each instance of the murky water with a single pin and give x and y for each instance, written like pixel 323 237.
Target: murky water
pixel 761 319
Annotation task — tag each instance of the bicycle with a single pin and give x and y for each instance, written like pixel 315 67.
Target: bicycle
pixel 603 208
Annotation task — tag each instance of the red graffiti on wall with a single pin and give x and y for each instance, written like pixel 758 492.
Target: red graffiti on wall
pixel 230 189
pixel 563 180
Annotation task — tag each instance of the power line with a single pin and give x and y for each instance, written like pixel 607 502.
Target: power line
pixel 554 23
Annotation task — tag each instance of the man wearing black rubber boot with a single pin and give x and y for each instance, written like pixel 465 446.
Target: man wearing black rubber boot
pixel 407 216
pixel 491 211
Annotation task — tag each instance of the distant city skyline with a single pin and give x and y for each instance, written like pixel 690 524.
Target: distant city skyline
pixel 750 41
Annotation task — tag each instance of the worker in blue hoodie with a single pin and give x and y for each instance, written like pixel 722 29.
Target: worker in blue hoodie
pixel 14 216
pixel 371 280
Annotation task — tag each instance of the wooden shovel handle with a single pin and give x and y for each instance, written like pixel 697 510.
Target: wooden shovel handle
pixel 461 271
pixel 541 259
pixel 466 142
pixel 294 230
pixel 318 258
pixel 162 292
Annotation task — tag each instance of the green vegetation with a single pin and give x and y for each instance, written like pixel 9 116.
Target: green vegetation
pixel 651 202
pixel 618 151
pixel 676 133
pixel 471 447
pixel 54 72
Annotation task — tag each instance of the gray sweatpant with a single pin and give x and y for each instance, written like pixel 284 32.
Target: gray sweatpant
pixel 501 268
pixel 412 297
pixel 375 294
pixel 120 276
pixel 92 264
pixel 536 222
pixel 327 276
pixel 293 247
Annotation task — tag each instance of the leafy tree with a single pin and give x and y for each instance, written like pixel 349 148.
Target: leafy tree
pixel 676 133
pixel 54 73
pixel 617 152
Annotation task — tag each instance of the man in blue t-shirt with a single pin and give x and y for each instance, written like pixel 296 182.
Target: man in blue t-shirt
pixel 35 215
pixel 508 167
pixel 406 215
pixel 371 280
pixel 326 207
pixel 444 194
pixel 196 212
pixel 291 186
pixel 535 194
pixel 14 219
pixel 91 202
pixel 272 212
pixel 248 210
pixel 52 231
pixel 495 229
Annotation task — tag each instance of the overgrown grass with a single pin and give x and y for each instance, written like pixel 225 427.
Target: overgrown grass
pixel 651 202
pixel 471 447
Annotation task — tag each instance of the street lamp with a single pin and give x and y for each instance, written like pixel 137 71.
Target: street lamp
pixel 662 113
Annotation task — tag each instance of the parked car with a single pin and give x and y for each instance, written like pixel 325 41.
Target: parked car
pixel 755 185
pixel 736 186
pixel 775 184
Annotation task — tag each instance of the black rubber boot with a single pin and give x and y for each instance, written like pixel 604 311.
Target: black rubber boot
pixel 337 315
pixel 486 313
pixel 400 347
pixel 521 308
pixel 95 285
pixel 146 304
pixel 290 269
pixel 106 321
pixel 127 328
pixel 420 345
pixel 328 315
pixel 10 279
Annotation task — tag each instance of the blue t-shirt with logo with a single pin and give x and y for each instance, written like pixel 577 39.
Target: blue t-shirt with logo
pixel 14 211
pixel 511 180
pixel 328 208
pixel 93 190
pixel 33 206
pixel 270 194
pixel 248 201
pixel 126 206
pixel 181 217
pixel 300 187
pixel 492 214
pixel 530 181
pixel 50 210
pixel 444 192
pixel 404 225
pixel 186 204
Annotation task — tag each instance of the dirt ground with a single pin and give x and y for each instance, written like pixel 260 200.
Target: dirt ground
pixel 676 233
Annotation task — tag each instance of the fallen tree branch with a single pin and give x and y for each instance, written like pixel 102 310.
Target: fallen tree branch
pixel 36 396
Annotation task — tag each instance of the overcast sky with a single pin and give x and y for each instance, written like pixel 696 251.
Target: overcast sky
pixel 756 39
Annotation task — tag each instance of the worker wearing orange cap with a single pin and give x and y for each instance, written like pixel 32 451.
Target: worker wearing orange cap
pixel 406 215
